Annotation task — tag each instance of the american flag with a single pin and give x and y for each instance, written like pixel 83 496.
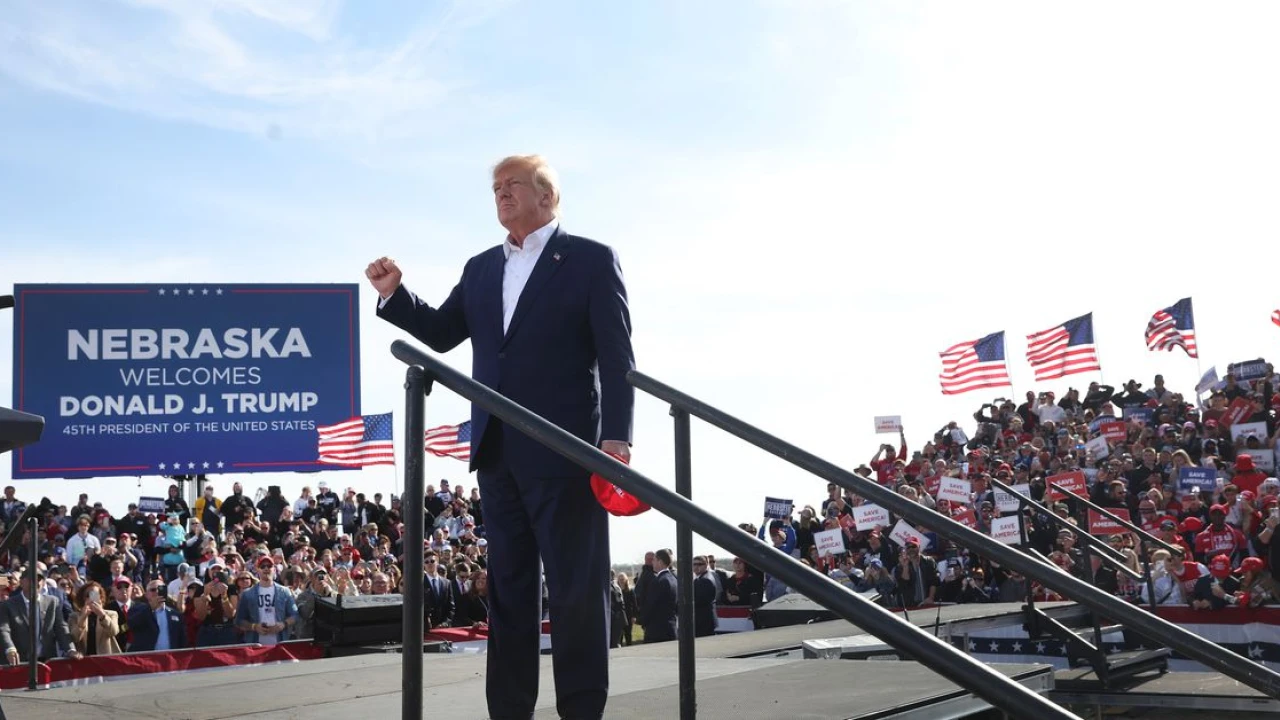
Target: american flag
pixel 974 365
pixel 1173 327
pixel 1275 316
pixel 358 442
pixel 1063 350
pixel 450 441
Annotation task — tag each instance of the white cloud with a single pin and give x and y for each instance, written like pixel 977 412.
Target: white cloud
pixel 194 61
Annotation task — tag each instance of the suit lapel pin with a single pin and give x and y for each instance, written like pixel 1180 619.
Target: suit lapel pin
pixel 556 257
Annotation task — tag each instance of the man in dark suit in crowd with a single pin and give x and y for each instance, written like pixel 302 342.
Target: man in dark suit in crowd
pixel 644 578
pixel 440 600
pixel 704 599
pixel 658 610
pixel 547 316
pixel 15 624
pixel 155 622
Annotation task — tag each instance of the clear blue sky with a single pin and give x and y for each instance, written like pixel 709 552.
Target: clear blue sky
pixel 810 199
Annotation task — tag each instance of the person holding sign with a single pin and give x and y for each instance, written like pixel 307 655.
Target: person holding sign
pixel 547 315
pixel 883 461
pixel 916 577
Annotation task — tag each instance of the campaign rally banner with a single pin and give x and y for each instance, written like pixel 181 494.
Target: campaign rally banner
pixel 1099 447
pixel 1006 502
pixel 870 517
pixel 777 508
pixel 902 533
pixel 1096 424
pixel 932 485
pixel 888 424
pixel 1264 460
pixel 1248 370
pixel 1196 478
pixel 1072 482
pixel 1113 431
pixel 1140 415
pixel 150 505
pixel 954 489
pixel 829 542
pixel 966 516
pixel 1238 410
pixel 1007 530
pixel 139 380
pixel 1248 430
pixel 1100 524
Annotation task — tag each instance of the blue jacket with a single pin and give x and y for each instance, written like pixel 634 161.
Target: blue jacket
pixel 565 355
pixel 247 611
pixel 146 631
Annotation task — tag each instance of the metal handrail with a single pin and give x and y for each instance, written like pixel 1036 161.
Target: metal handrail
pixel 945 659
pixel 1105 551
pixel 1143 535
pixel 1238 667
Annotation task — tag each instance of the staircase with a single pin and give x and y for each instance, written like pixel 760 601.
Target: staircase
pixel 1085 648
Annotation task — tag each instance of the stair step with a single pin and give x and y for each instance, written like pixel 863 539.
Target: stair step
pixel 1087 632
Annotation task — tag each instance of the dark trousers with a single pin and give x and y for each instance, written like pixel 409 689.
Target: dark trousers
pixel 527 516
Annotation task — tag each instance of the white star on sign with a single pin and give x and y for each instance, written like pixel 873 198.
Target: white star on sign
pixel 191 291
pixel 161 291
pixel 161 466
pixel 219 291
pixel 206 466
pixel 1255 652
pixel 191 466
pixel 1039 648
pixel 219 464
pixel 973 646
pixel 204 291
pixel 176 291
pixel 177 466
pixel 995 646
pixel 1017 647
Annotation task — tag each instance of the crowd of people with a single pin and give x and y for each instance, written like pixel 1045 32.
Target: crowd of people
pixel 240 570
pixel 1224 527
pixel 228 570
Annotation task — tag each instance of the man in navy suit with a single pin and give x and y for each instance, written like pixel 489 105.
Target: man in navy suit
pixel 547 316
pixel 157 623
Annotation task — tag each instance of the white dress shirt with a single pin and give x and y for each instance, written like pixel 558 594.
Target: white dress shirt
pixel 519 266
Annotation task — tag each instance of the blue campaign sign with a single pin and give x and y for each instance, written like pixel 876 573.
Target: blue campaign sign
pixel 1143 415
pixel 182 379
pixel 1196 478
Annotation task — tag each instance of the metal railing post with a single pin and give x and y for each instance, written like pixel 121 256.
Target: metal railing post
pixel 684 571
pixel 33 665
pixel 948 661
pixel 416 387
pixel 1246 671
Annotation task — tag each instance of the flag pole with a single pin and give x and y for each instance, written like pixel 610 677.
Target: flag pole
pixel 1102 378
pixel 1008 366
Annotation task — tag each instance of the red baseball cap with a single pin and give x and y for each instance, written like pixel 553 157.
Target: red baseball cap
pixel 1220 567
pixel 1191 524
pixel 1251 564
pixel 613 498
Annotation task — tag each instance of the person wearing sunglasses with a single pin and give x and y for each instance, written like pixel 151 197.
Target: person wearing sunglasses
pixel 156 622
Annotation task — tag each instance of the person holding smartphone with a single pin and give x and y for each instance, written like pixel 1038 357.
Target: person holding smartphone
pixel 93 627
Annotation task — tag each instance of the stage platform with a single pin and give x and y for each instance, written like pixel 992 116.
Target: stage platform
pixel 772 641
pixel 641 688
pixel 761 674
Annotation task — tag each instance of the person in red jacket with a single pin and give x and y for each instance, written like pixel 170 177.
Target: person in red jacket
pixel 1247 476
pixel 884 459
pixel 1219 537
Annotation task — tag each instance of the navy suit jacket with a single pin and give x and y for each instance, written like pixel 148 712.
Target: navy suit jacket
pixel 565 355
pixel 146 630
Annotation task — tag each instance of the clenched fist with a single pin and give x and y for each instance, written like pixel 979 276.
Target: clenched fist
pixel 384 275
